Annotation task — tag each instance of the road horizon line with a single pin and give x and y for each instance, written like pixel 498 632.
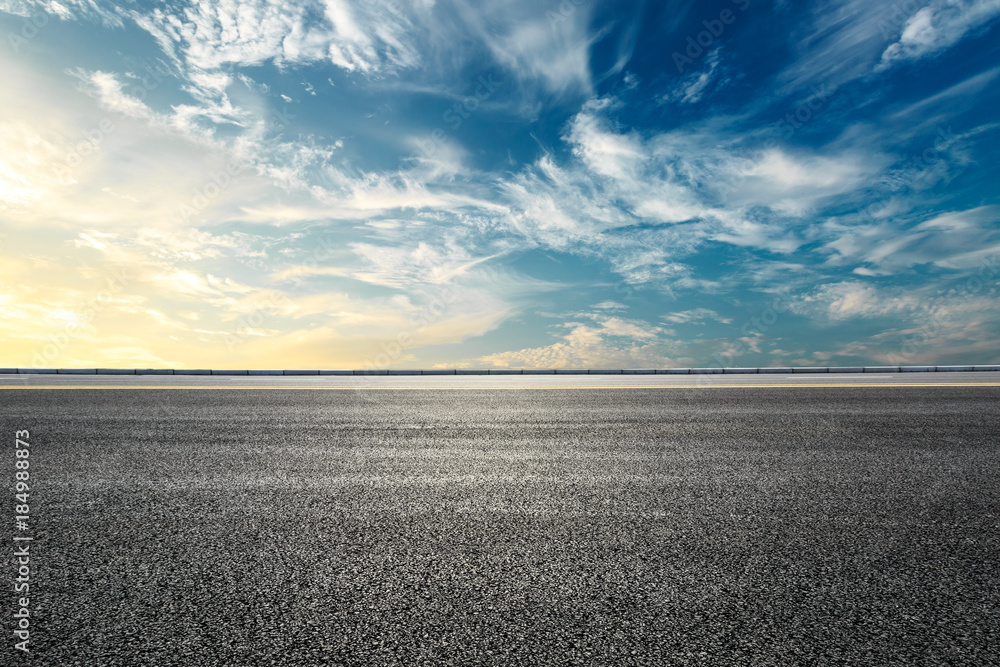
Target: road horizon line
pixel 399 372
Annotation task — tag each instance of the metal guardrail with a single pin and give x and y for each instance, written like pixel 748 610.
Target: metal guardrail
pixel 501 371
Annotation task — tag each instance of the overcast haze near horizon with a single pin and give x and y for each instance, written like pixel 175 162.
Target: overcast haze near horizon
pixel 519 184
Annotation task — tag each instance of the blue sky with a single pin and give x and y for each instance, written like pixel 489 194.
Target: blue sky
pixel 519 184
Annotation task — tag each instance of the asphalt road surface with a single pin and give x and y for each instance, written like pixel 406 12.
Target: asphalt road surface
pixel 471 522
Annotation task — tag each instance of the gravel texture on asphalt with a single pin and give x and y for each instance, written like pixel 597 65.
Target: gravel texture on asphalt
pixel 614 526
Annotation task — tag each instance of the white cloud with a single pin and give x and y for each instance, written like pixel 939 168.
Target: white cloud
pixel 399 266
pixel 108 90
pixel 607 153
pixel 445 161
pixel 960 94
pixel 609 305
pixel 560 59
pixel 109 17
pixel 958 240
pixel 851 39
pixel 241 314
pixel 842 42
pixel 614 342
pixel 938 26
pixel 206 36
pixel 379 37
pixel 794 185
pixel 846 300
pixel 693 87
pixel 931 325
pixel 644 203
pixel 696 315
